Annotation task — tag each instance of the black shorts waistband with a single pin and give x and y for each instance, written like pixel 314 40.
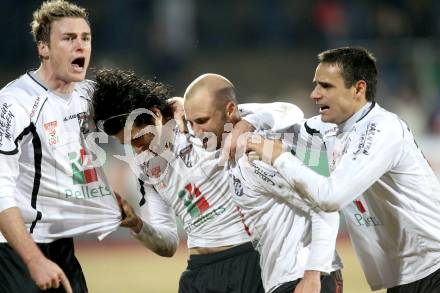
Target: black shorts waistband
pixel 199 260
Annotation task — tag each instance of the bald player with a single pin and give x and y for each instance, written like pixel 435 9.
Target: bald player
pixel 193 186
pixel 295 243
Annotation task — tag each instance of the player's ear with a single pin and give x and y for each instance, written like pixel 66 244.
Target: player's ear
pixel 43 50
pixel 231 111
pixel 360 88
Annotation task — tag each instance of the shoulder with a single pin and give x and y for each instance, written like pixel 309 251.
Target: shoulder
pixel 384 121
pixel 85 89
pixel 315 125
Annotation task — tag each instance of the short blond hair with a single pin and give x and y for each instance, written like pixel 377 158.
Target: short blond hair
pixel 51 11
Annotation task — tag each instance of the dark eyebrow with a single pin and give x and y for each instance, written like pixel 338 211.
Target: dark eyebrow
pixel 74 34
pixel 323 84
pixel 201 119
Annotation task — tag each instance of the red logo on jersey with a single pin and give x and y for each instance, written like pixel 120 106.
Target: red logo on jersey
pixel 51 131
pixel 360 206
pixel 193 200
pixel 83 171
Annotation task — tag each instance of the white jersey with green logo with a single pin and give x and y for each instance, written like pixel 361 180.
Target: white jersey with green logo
pixel 195 185
pixel 386 189
pixel 46 168
pixel 290 236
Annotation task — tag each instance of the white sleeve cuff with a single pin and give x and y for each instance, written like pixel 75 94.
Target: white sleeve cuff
pixel 6 203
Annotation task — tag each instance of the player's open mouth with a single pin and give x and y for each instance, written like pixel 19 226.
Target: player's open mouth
pixel 323 108
pixel 78 63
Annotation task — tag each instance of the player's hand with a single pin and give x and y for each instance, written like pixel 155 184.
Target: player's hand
pixel 46 274
pixel 310 283
pixel 176 104
pixel 129 218
pixel 234 144
pixel 262 149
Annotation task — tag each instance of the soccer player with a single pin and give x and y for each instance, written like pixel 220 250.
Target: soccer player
pixel 293 241
pixel 49 190
pixel 379 177
pixel 175 178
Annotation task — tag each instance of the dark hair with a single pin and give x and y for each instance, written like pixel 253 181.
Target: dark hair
pixel 356 64
pixel 120 92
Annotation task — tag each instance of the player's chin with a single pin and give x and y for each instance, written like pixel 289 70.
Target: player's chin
pixel 78 76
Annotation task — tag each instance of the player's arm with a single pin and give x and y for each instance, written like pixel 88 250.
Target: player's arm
pixel 274 116
pixel 323 245
pixel 322 250
pixel 45 273
pixel 156 228
pixel 370 154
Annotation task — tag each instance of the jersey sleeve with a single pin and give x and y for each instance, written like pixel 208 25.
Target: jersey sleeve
pixel 14 122
pixel 271 116
pixel 370 153
pixel 323 245
pixel 159 231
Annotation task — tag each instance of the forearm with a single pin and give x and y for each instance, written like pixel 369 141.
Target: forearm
pixel 14 230
pixel 272 116
pixel 318 190
pixel 162 241
pixel 323 244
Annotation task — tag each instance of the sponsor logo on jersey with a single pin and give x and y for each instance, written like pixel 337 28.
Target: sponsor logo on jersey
pixel 363 218
pixel 35 107
pixel 366 141
pixel 83 121
pixel 82 172
pixel 51 131
pixel 265 175
pixel 185 155
pixel 6 117
pixel 238 188
pixel 82 175
pixel 193 200
pixel 205 218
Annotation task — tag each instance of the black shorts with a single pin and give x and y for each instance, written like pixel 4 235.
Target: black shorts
pixel 234 270
pixel 329 284
pixel 15 277
pixel 429 284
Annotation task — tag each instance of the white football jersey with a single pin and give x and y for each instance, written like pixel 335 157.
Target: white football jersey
pixel 289 236
pixel 386 189
pixel 47 170
pixel 195 183
pixel 196 186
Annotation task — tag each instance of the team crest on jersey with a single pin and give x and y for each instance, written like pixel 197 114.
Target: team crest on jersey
pixel 83 121
pixel 185 155
pixel 238 188
pixel 193 200
pixel 362 217
pixel 51 129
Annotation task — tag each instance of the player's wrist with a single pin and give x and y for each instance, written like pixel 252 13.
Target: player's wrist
pixel 138 226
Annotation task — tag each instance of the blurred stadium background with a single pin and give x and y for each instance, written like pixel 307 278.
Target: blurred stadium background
pixel 268 50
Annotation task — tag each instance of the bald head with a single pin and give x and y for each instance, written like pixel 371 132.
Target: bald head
pixel 210 104
pixel 213 86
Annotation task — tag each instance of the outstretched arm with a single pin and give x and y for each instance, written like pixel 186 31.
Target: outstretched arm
pixel 45 273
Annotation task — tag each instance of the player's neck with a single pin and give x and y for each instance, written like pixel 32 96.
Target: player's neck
pixel 53 82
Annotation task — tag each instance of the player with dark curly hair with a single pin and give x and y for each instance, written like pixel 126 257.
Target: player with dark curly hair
pixel 180 184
